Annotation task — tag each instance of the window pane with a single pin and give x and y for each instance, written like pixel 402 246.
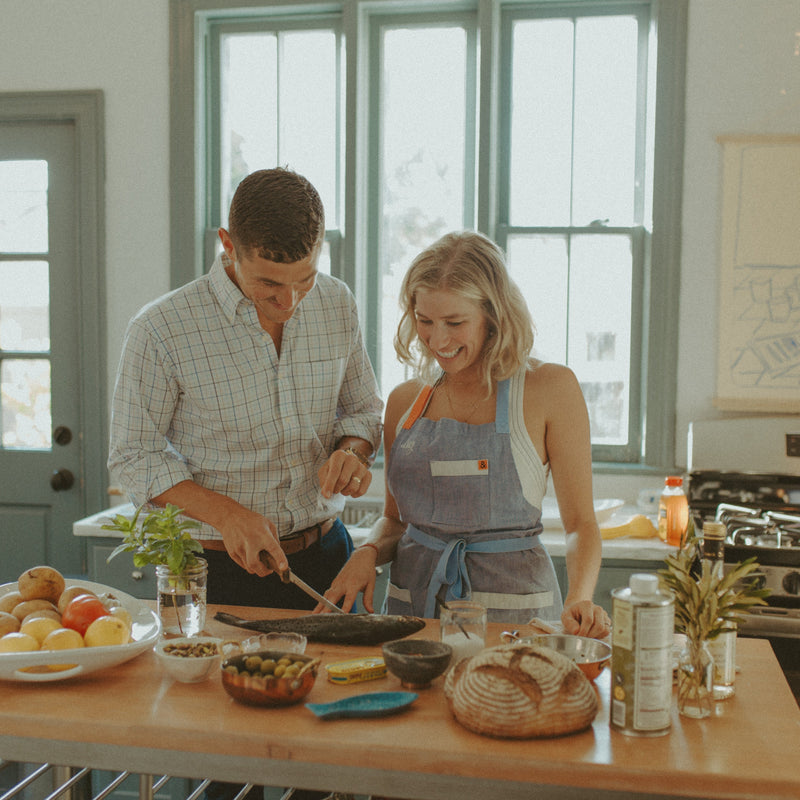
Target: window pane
pixel 23 207
pixel 579 292
pixel 539 265
pixel 423 157
pixel 25 403
pixel 599 330
pixel 541 123
pixel 605 120
pixel 249 126
pixel 25 306
pixel 279 107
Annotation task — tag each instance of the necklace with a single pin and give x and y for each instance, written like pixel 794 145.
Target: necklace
pixel 467 415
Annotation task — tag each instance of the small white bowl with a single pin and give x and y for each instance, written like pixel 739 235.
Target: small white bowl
pixel 180 659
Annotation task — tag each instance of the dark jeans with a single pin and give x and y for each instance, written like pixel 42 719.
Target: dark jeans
pixel 229 584
pixel 318 565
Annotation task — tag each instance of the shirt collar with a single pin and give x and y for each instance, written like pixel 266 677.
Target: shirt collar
pixel 228 293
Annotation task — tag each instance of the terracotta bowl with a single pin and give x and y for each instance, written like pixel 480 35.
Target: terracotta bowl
pixel 416 661
pixel 267 685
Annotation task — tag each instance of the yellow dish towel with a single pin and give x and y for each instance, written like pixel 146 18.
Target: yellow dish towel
pixel 637 527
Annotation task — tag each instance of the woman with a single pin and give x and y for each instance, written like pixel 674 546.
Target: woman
pixel 468 450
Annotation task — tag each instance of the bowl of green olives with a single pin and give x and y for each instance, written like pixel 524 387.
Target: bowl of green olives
pixel 269 677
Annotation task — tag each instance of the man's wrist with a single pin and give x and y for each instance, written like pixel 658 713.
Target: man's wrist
pixel 365 460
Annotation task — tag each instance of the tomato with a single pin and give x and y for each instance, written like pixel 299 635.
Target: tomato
pixel 81 612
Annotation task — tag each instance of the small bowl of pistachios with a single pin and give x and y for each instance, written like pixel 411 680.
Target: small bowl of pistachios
pixel 191 659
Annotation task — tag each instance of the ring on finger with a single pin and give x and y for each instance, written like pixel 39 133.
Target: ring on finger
pixel 354 479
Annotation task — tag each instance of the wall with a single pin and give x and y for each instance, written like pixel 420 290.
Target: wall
pixel 743 76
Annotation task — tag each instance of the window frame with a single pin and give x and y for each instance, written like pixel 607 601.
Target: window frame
pixel 350 258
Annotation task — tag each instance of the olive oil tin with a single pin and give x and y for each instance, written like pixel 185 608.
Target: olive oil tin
pixel 356 670
pixel 641 657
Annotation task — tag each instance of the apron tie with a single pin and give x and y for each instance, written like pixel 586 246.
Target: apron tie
pixel 451 569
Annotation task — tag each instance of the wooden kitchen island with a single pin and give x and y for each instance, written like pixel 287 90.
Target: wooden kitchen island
pixel 134 717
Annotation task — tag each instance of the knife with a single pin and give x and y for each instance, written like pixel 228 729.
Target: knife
pixel 289 577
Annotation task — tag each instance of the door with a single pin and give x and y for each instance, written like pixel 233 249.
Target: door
pixel 42 374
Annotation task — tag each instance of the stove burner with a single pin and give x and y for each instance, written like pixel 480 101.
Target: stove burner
pixel 750 527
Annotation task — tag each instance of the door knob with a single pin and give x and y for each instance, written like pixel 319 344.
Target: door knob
pixel 61 480
pixel 62 435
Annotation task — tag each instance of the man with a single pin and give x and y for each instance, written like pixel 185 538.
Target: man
pixel 247 399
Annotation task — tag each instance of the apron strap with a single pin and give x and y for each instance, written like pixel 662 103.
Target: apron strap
pixel 451 569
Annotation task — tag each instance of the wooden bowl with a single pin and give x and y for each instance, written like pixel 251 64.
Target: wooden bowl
pixel 270 687
pixel 417 661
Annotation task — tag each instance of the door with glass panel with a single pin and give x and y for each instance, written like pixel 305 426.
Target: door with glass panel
pixel 40 388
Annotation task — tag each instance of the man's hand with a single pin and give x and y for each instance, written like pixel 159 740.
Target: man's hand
pixel 246 534
pixel 343 473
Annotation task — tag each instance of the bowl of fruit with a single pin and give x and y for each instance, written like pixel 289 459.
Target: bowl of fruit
pixel 52 628
pixel 269 677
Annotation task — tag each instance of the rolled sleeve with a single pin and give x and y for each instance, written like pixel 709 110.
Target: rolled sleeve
pixel 140 456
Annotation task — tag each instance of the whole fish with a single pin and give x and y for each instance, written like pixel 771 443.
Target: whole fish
pixel 334 628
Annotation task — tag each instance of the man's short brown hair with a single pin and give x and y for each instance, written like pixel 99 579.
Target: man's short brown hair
pixel 276 214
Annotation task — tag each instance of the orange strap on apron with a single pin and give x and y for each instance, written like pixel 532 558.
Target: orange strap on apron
pixel 418 407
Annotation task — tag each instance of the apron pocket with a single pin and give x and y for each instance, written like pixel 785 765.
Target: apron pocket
pixel 461 493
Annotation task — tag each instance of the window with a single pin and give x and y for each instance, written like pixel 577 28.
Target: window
pixel 544 124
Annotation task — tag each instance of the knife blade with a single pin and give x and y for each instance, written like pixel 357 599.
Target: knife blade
pixel 289 577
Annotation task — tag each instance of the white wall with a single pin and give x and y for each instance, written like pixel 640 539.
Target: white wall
pixel 743 76
pixel 122 48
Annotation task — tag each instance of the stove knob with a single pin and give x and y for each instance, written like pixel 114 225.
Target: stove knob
pixel 791 582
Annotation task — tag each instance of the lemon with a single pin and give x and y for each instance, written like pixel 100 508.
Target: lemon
pixel 38 627
pixel 8 623
pixel 18 643
pixel 62 639
pixel 123 614
pixel 107 630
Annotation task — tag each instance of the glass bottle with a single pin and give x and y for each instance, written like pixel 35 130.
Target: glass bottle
pixel 673 512
pixel 723 646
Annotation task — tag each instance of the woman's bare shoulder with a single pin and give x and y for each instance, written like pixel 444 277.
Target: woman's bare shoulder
pixel 542 375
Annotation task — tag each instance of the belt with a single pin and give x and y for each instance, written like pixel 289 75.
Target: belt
pixel 293 543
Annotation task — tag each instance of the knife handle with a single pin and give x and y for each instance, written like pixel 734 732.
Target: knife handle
pixel 268 561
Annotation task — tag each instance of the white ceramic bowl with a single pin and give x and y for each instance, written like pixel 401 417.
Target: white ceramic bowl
pixel 180 659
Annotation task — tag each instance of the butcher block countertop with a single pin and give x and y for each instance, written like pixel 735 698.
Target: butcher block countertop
pixel 134 717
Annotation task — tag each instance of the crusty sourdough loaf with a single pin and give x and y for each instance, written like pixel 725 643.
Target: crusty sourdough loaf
pixel 520 691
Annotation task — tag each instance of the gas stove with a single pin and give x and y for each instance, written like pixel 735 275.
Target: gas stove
pixel 745 472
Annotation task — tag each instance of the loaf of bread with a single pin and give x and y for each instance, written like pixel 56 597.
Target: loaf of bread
pixel 520 691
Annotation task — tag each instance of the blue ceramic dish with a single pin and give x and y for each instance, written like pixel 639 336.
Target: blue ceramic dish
pixel 373 704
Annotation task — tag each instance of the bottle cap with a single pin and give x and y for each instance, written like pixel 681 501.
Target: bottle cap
pixel 674 480
pixel 643 584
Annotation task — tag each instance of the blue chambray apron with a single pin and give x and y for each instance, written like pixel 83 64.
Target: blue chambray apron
pixel 469 527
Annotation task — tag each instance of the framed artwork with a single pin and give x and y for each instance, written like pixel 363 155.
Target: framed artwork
pixel 758 360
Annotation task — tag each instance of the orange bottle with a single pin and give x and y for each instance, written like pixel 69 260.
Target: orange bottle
pixel 673 512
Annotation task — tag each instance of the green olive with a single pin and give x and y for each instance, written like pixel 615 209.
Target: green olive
pixel 231 668
pixel 268 666
pixel 252 663
pixel 279 670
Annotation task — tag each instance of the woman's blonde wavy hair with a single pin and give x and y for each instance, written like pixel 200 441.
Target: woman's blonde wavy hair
pixel 472 266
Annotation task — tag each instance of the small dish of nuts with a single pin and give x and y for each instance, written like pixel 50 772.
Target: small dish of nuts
pixel 190 659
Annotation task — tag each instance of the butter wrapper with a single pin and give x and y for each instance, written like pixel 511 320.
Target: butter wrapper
pixel 356 669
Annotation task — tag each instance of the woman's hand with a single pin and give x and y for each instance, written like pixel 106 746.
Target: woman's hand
pixel 585 618
pixel 357 575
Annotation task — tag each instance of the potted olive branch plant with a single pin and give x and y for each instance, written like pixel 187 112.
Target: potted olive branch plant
pixel 163 538
pixel 706 604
